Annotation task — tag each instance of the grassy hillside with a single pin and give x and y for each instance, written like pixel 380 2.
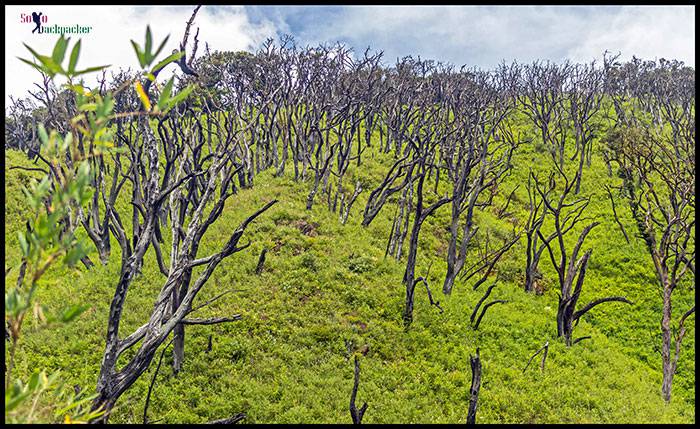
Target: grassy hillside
pixel 326 285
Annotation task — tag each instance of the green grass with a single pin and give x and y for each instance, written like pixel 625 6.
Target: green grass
pixel 287 362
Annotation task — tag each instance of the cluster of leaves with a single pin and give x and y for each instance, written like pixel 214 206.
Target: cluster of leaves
pixel 146 57
pixel 51 65
pixel 47 240
pixel 55 201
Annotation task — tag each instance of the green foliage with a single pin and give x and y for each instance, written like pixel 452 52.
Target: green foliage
pixel 146 56
pixel 51 65
pixel 288 360
pixel 54 201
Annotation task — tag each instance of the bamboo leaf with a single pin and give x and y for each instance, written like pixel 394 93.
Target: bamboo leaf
pixel 91 70
pixel 174 57
pixel 162 45
pixel 149 45
pixel 165 94
pixel 139 54
pixel 59 50
pixel 180 96
pixel 142 95
pixel 74 54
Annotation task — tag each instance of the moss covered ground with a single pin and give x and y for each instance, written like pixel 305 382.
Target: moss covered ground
pixel 326 285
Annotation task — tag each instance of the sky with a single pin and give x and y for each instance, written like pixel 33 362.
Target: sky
pixel 481 36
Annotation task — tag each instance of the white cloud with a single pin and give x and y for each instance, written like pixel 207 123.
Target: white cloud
pixel 483 36
pixel 473 35
pixel 223 28
pixel 648 32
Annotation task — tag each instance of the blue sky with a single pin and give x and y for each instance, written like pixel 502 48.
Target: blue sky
pixel 480 36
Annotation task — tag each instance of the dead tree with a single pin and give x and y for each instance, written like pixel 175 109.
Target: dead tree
pixel 486 307
pixel 345 207
pixel 423 140
pixel 477 159
pixel 165 316
pixel 542 97
pixel 194 183
pixel 475 362
pixel 261 261
pixel 534 248
pixel 569 267
pixel 21 119
pixel 481 301
pixel 483 311
pixel 585 95
pixel 418 131
pixel 656 159
pixel 488 258
pixel 419 215
pixel 355 413
pixel 617 218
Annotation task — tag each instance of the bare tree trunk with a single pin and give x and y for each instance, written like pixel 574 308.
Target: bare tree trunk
pixel 668 369
pixel 354 412
pixel 452 252
pixel 474 389
pixel 409 274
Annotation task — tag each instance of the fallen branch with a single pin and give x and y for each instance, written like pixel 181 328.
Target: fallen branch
pixel 211 321
pixel 231 420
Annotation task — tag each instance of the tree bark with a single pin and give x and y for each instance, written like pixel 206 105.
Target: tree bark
pixel 474 389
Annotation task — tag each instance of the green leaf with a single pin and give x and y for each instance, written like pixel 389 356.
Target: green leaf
pixel 35 65
pixel 33 382
pixel 74 54
pixel 162 45
pixel 149 44
pixel 180 96
pixel 69 139
pixel 50 66
pixel 11 302
pixel 165 94
pixel 75 403
pixel 73 256
pixel 42 134
pixel 35 53
pixel 105 108
pixel 12 401
pixel 90 70
pixel 139 54
pixel 174 57
pixel 72 312
pixel 88 107
pixel 59 50
pixel 77 88
pixel 23 243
